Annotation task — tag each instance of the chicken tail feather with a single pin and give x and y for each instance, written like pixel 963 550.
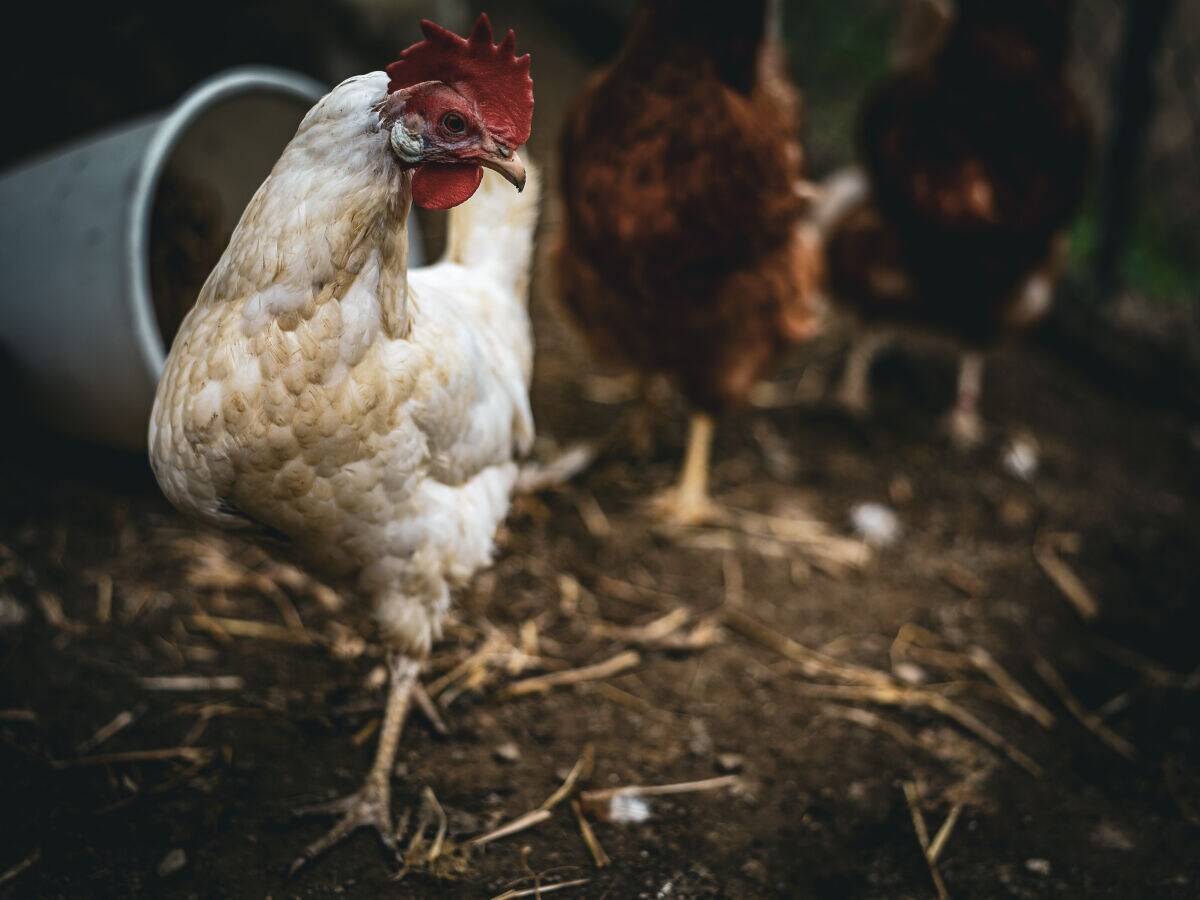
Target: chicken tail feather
pixel 493 231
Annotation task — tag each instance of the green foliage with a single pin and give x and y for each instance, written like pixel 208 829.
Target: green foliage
pixel 1155 266
pixel 837 49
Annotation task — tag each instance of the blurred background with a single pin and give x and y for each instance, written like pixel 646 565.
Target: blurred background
pixel 87 66
pixel 1129 300
pixel 101 583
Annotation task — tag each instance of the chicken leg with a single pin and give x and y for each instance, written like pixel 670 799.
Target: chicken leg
pixel 853 392
pixel 371 807
pixel 687 503
pixel 963 422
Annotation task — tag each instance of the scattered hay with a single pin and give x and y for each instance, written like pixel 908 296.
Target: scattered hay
pixel 1089 720
pixel 602 803
pixel 193 683
pixel 1046 550
pixel 869 685
pixel 16 871
pixel 911 797
pixel 622 662
pixel 599 857
pixel 121 721
pixel 541 889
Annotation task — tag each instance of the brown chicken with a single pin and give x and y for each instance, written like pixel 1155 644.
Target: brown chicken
pixel 975 160
pixel 681 179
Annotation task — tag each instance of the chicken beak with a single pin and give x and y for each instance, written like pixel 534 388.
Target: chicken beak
pixel 508 164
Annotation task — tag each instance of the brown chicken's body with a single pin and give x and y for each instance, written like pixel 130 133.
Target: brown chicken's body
pixel 976 161
pixel 680 254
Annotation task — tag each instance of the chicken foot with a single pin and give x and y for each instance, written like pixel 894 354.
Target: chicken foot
pixel 371 807
pixel 963 423
pixel 688 503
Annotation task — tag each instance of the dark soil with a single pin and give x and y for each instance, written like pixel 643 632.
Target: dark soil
pixel 821 808
pixel 822 812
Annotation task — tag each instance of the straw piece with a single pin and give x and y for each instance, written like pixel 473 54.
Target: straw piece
pixel 193 683
pixel 964 580
pixel 814 536
pixel 868 719
pixel 903 695
pixel 20 867
pixel 1046 551
pixel 1088 719
pixel 52 609
pixel 521 823
pixel 120 721
pixel 910 795
pixel 541 683
pixel 581 770
pixel 1020 698
pixel 435 850
pixel 104 597
pixel 191 755
pixel 594 518
pixel 599 857
pixel 533 478
pixel 600 797
pixel 943 836
pixel 1148 668
pixel 539 890
pixel 425 704
pixel 811 663
pixel 249 628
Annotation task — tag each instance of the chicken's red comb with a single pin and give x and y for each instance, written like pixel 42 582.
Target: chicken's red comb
pixel 492 76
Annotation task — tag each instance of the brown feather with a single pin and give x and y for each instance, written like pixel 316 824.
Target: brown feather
pixel 977 160
pixel 680 253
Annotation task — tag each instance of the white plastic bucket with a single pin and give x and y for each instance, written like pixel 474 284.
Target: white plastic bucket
pixel 77 316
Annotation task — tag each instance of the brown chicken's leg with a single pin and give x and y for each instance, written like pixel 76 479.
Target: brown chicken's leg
pixel 687 503
pixel 853 392
pixel 963 422
pixel 371 807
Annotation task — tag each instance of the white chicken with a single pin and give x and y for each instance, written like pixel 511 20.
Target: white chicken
pixel 369 415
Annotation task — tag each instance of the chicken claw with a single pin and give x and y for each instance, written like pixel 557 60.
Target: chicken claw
pixel 371 806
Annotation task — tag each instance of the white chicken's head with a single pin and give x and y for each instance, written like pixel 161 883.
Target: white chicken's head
pixel 456 105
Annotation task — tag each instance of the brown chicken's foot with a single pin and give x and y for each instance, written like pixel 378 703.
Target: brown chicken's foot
pixel 688 503
pixel 965 429
pixel 371 806
pixel 963 424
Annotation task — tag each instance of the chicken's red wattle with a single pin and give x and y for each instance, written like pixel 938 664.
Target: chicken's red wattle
pixel 442 185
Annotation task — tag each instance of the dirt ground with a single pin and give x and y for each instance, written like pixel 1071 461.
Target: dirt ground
pixel 104 586
pixel 948 674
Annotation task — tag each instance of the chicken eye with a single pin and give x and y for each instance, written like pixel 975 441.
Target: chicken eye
pixel 454 123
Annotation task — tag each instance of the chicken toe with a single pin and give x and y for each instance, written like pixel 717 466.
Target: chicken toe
pixel 369 808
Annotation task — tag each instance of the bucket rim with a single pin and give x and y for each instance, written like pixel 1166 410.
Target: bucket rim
pixel 158 151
